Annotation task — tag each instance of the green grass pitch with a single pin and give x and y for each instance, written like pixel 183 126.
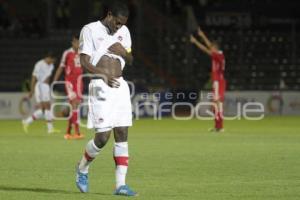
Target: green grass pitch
pixel 176 160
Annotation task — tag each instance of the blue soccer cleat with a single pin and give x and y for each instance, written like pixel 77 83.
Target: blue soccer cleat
pixel 124 190
pixel 82 181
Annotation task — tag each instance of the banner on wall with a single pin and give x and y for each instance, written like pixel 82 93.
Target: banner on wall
pixel 18 106
pixel 15 105
pixel 274 103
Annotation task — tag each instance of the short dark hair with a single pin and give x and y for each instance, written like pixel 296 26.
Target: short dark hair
pixel 75 36
pixel 49 54
pixel 118 8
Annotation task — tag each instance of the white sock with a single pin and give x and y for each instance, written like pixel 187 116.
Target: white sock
pixel 91 151
pixel 121 172
pixel 121 160
pixel 48 118
pixel 36 115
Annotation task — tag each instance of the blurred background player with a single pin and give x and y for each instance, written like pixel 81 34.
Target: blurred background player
pixel 217 75
pixel 70 64
pixel 40 87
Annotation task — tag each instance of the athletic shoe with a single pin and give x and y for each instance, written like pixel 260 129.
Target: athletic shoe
pixel 124 190
pixel 53 130
pixel 216 130
pixel 68 136
pixel 25 126
pixel 78 136
pixel 221 130
pixel 82 181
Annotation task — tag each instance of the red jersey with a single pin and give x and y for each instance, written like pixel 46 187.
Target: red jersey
pixel 218 65
pixel 71 62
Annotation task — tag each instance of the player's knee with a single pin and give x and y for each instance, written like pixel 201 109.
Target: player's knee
pixel 101 139
pixel 121 134
pixel 46 106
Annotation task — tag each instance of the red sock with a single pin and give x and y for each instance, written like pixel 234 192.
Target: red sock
pixel 88 157
pixel 75 121
pixel 218 120
pixel 121 160
pixel 77 128
pixel 69 128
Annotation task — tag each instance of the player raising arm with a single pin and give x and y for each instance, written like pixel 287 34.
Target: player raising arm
pixel 217 75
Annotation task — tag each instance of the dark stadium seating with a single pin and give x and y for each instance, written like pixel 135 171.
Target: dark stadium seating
pixel 261 55
pixel 258 57
pixel 18 57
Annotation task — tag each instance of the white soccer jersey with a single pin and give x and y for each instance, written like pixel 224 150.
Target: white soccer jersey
pixel 95 40
pixel 123 36
pixel 115 111
pixel 42 70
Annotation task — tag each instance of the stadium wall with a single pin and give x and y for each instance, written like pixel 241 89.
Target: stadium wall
pixel 17 106
pixel 274 103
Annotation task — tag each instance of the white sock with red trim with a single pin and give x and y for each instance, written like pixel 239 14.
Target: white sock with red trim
pixel 90 153
pixel 36 115
pixel 48 118
pixel 121 160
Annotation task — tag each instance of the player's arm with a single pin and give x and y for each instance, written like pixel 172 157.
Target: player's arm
pixel 85 63
pixel 128 57
pixel 58 73
pixel 61 67
pixel 32 85
pixel 207 42
pixel 118 49
pixel 86 50
pixel 200 45
pixel 124 49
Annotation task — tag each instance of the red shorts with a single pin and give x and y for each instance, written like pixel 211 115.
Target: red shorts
pixel 219 87
pixel 74 88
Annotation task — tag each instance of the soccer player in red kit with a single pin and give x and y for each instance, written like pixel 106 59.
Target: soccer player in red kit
pixel 217 75
pixel 70 64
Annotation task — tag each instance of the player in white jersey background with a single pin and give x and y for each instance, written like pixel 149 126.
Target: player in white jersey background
pixel 40 88
pixel 105 47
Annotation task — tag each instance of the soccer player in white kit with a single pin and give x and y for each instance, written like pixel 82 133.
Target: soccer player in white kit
pixel 105 47
pixel 41 89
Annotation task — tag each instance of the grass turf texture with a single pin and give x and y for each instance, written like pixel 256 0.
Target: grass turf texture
pixel 169 160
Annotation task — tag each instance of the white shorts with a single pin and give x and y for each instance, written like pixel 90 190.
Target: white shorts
pixel 109 107
pixel 42 92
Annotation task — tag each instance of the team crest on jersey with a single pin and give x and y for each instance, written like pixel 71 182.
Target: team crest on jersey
pixel 120 38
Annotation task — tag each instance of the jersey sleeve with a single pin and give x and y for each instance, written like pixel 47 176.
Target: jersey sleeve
pixel 127 41
pixel 223 62
pixel 36 70
pixel 86 41
pixel 51 69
